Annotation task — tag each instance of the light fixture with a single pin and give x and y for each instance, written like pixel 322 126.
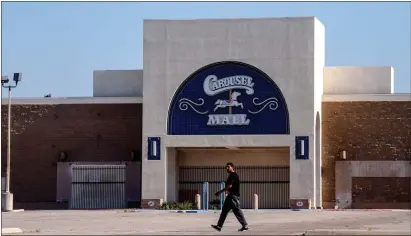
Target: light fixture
pixel 343 155
pixel 135 155
pixel 63 156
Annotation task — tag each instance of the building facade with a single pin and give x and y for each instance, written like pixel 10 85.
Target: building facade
pixel 255 92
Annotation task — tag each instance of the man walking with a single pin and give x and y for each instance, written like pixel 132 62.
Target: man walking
pixel 232 201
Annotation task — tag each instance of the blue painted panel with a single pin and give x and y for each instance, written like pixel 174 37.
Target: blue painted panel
pixel 302 148
pixel 228 98
pixel 154 148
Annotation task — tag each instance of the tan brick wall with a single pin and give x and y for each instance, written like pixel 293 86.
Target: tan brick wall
pixel 89 132
pixel 390 189
pixel 367 131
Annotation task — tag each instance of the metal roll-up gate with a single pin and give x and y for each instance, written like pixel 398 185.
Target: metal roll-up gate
pixel 98 187
pixel 270 183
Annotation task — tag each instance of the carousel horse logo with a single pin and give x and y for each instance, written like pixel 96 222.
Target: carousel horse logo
pixel 232 102
pixel 213 86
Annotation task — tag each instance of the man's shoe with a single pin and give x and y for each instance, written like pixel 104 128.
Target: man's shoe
pixel 244 228
pixel 216 227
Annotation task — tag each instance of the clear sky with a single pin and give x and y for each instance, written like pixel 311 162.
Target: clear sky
pixel 57 45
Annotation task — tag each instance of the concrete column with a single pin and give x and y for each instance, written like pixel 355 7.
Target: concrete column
pixel 319 63
pixel 302 176
pixel 172 175
pixel 318 163
pixel 255 201
pixel 198 201
pixel 6 201
pixel 154 176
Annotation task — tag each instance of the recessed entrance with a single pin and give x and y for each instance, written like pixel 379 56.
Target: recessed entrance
pixel 263 171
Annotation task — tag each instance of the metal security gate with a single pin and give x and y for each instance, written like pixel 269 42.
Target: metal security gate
pixel 98 187
pixel 270 183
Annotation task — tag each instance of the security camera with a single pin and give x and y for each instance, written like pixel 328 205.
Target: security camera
pixel 17 77
pixel 4 79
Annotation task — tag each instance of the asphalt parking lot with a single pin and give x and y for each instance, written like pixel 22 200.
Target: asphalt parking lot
pixel 127 222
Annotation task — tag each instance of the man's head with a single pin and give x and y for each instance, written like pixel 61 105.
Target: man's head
pixel 230 167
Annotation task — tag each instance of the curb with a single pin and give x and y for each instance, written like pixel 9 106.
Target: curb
pixel 189 211
pixel 216 211
pixel 356 232
pixel 304 210
pixel 395 210
pixel 263 210
pixel 174 211
pixel 11 231
pixel 18 210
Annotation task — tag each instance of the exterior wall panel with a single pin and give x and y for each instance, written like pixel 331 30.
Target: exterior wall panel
pixel 88 133
pixel 97 186
pixel 380 192
pixel 367 131
pixel 289 50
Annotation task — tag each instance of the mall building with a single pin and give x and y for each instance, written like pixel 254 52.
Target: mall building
pixel 254 92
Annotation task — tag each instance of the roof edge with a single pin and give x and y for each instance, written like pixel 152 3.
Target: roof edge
pixel 399 97
pixel 73 100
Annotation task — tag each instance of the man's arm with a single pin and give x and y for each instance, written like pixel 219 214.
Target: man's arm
pixel 229 185
pixel 226 188
pixel 223 190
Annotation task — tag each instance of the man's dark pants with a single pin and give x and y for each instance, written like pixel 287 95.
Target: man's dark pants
pixel 232 203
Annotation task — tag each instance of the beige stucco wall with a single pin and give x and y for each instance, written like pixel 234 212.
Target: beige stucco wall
pixel 118 83
pixel 172 174
pixel 216 157
pixel 319 62
pixel 289 50
pixel 358 80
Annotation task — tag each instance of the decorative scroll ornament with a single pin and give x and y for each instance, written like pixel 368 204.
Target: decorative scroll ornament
pixel 272 103
pixel 184 103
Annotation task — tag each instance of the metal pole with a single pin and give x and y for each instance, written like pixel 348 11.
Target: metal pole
pixel 207 195
pixel 7 197
pixel 222 195
pixel 8 143
pixel 204 200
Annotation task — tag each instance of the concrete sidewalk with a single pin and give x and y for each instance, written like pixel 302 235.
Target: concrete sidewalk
pixel 284 222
